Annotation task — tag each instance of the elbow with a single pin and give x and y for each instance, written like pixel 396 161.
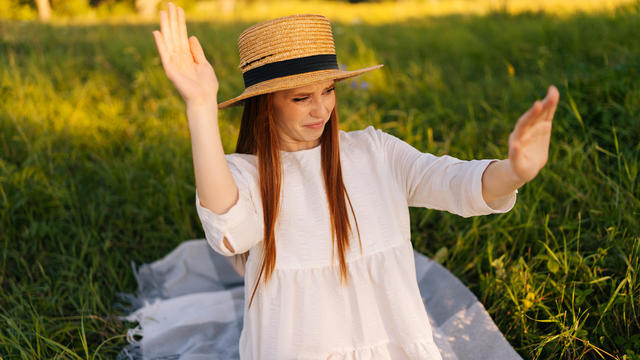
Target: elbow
pixel 228 246
pixel 219 243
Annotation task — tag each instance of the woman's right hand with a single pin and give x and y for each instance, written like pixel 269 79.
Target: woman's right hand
pixel 183 59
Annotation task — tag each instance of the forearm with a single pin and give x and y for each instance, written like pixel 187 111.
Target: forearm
pixel 499 180
pixel 217 189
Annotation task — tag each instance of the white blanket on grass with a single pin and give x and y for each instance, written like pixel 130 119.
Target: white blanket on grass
pixel 189 305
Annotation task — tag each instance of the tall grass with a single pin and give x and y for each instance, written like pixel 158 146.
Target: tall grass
pixel 96 171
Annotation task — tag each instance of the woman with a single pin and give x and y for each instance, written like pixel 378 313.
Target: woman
pixel 298 192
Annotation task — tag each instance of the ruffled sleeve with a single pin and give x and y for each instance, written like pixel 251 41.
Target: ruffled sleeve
pixel 241 224
pixel 440 182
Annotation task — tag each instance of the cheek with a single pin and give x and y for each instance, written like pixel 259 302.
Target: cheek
pixel 331 102
pixel 292 119
pixel 284 115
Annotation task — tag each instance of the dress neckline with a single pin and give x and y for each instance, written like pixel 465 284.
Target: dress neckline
pixel 303 151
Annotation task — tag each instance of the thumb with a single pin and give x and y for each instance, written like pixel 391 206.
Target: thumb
pixel 196 50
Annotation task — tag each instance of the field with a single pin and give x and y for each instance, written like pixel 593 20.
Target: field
pixel 96 169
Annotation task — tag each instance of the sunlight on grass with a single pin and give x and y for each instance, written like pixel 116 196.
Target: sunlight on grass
pixel 343 11
pixel 385 12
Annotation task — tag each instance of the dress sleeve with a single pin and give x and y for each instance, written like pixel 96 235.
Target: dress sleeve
pixel 241 224
pixel 440 182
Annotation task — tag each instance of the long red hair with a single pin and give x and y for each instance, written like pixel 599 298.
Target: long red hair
pixel 258 136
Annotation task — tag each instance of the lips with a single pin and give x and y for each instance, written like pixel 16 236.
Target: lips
pixel 315 126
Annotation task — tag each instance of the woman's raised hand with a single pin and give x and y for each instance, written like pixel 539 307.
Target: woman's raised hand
pixel 529 140
pixel 183 59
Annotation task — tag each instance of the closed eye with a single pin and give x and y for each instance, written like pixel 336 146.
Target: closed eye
pixel 306 97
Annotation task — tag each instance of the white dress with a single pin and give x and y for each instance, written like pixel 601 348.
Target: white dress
pixel 304 312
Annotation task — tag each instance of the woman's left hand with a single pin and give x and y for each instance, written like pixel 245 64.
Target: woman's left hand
pixel 529 140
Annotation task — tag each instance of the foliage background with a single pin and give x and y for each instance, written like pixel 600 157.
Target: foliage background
pixel 96 171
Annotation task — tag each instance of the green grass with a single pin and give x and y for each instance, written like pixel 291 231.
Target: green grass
pixel 96 169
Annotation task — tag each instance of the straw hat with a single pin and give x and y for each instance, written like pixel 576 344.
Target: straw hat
pixel 286 53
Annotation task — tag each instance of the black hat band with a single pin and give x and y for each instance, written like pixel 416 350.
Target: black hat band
pixel 290 67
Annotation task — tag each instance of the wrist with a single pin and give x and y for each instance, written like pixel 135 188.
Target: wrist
pixel 202 111
pixel 202 103
pixel 511 175
pixel 499 180
pixel 201 106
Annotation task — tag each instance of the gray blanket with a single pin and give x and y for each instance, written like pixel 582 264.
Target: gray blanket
pixel 189 305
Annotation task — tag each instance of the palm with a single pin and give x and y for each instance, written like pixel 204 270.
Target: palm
pixel 183 59
pixel 529 141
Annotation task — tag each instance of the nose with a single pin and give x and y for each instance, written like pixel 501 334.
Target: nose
pixel 321 108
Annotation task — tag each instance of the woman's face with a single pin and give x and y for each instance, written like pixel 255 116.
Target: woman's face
pixel 302 113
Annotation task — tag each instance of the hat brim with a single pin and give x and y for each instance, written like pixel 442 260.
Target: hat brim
pixel 293 81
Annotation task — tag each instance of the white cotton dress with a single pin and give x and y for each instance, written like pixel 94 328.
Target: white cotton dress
pixel 304 312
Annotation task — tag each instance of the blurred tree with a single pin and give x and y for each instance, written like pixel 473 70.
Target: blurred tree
pixel 147 8
pixel 44 9
pixel 70 7
pixel 228 5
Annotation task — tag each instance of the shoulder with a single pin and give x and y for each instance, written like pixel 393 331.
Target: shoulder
pixel 369 137
pixel 243 165
pixel 244 160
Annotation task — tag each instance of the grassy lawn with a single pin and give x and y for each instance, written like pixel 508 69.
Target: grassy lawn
pixel 96 169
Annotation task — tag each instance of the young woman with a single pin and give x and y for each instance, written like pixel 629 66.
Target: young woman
pixel 298 194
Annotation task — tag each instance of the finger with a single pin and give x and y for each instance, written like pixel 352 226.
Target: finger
pixel 553 97
pixel 551 113
pixel 547 103
pixel 527 119
pixel 538 134
pixel 535 110
pixel 184 42
pixel 166 31
pixel 162 48
pixel 547 107
pixel 196 50
pixel 173 26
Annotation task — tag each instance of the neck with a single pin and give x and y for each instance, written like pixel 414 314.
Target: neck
pixel 292 146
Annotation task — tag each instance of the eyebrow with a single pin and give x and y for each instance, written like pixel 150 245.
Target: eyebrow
pixel 310 93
